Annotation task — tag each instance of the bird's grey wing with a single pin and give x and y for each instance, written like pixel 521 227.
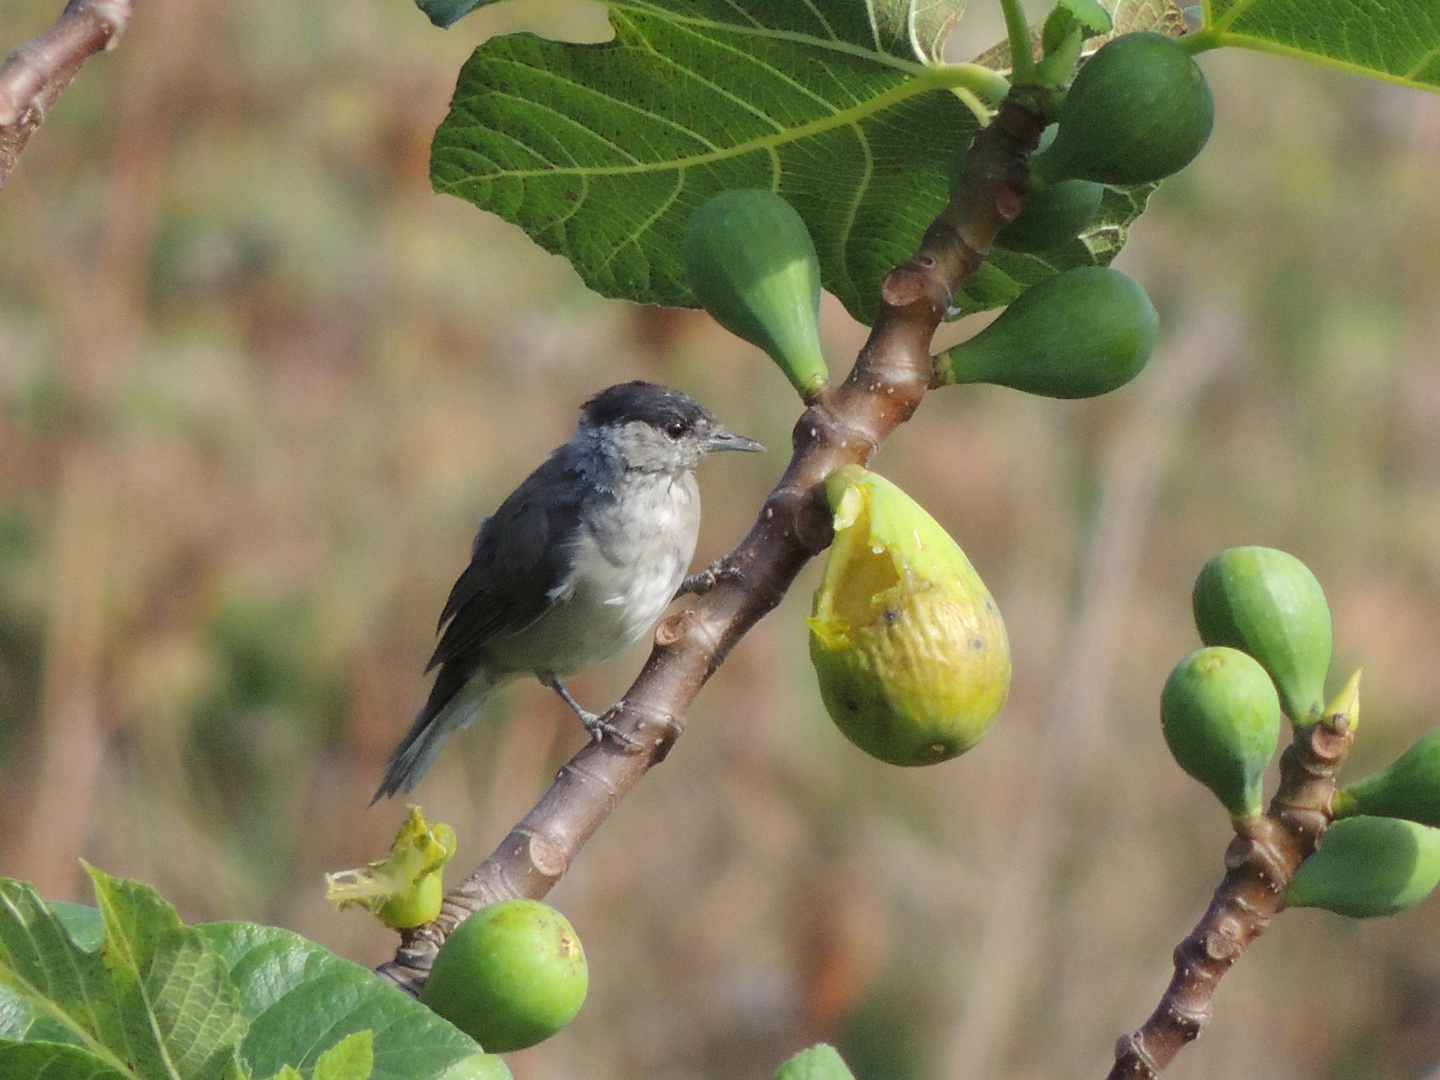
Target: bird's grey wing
pixel 520 558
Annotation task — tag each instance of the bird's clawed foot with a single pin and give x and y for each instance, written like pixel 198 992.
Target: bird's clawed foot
pixel 722 569
pixel 594 723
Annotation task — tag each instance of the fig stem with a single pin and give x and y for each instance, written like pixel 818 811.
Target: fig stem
pixel 842 425
pixel 1259 864
pixel 1022 58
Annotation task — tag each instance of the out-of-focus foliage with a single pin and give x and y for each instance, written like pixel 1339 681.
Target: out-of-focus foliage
pixel 258 384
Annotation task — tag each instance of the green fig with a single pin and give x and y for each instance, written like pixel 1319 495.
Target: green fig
pixel 908 644
pixel 1053 215
pixel 1369 866
pixel 1078 333
pixel 1139 110
pixel 820 1062
pixel 1221 719
pixel 1409 788
pixel 751 263
pixel 1268 604
pixel 509 976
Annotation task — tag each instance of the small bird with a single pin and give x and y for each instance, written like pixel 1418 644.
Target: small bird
pixel 577 563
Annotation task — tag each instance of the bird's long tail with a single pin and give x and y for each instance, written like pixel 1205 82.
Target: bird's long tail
pixel 454 702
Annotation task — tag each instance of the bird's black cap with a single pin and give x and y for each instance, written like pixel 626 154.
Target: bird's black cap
pixel 658 406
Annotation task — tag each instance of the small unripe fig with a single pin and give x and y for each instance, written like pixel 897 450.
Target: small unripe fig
pixel 1053 215
pixel 907 642
pixel 819 1062
pixel 1221 719
pixel 1409 788
pixel 1268 604
pixel 1369 866
pixel 509 976
pixel 1078 333
pixel 751 263
pixel 1139 110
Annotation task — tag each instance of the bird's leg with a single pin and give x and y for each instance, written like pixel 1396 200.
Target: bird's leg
pixel 596 725
pixel 722 569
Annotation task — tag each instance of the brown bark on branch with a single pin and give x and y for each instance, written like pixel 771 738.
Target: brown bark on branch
pixel 1259 864
pixel 35 74
pixel 842 425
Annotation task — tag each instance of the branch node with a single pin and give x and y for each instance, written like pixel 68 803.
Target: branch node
pixel 1133 1060
pixel 548 857
pixel 647 718
pixel 1189 1020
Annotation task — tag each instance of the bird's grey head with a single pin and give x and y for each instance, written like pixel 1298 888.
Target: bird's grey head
pixel 656 429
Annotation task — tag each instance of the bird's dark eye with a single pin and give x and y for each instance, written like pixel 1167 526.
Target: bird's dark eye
pixel 676 428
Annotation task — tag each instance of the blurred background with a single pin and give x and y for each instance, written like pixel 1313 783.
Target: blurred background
pixel 258 385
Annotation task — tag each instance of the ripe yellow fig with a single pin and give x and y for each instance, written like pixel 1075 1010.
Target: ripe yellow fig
pixel 908 644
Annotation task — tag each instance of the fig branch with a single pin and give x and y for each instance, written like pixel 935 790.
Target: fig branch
pixel 34 75
pixel 1259 865
pixel 841 425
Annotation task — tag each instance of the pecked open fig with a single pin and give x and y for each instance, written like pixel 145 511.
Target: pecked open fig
pixel 1221 719
pixel 1369 866
pixel 404 890
pixel 1409 788
pixel 1079 333
pixel 1139 110
pixel 1267 603
pixel 908 644
pixel 751 263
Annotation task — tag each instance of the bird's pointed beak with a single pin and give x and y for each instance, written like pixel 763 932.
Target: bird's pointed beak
pixel 725 440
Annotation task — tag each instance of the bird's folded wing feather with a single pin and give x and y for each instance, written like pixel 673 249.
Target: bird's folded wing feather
pixel 519 561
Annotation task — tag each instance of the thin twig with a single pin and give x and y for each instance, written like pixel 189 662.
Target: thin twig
pixel 1259 864
pixel 35 74
pixel 843 424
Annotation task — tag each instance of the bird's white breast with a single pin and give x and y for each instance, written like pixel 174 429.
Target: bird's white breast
pixel 626 565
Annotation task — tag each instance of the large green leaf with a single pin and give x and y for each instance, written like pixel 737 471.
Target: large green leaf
pixel 150 1001
pixel 301 999
pixel 601 152
pixel 126 992
pixel 1396 40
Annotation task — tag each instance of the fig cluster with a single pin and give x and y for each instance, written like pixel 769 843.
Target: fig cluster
pixel 1266 629
pixel 1265 625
